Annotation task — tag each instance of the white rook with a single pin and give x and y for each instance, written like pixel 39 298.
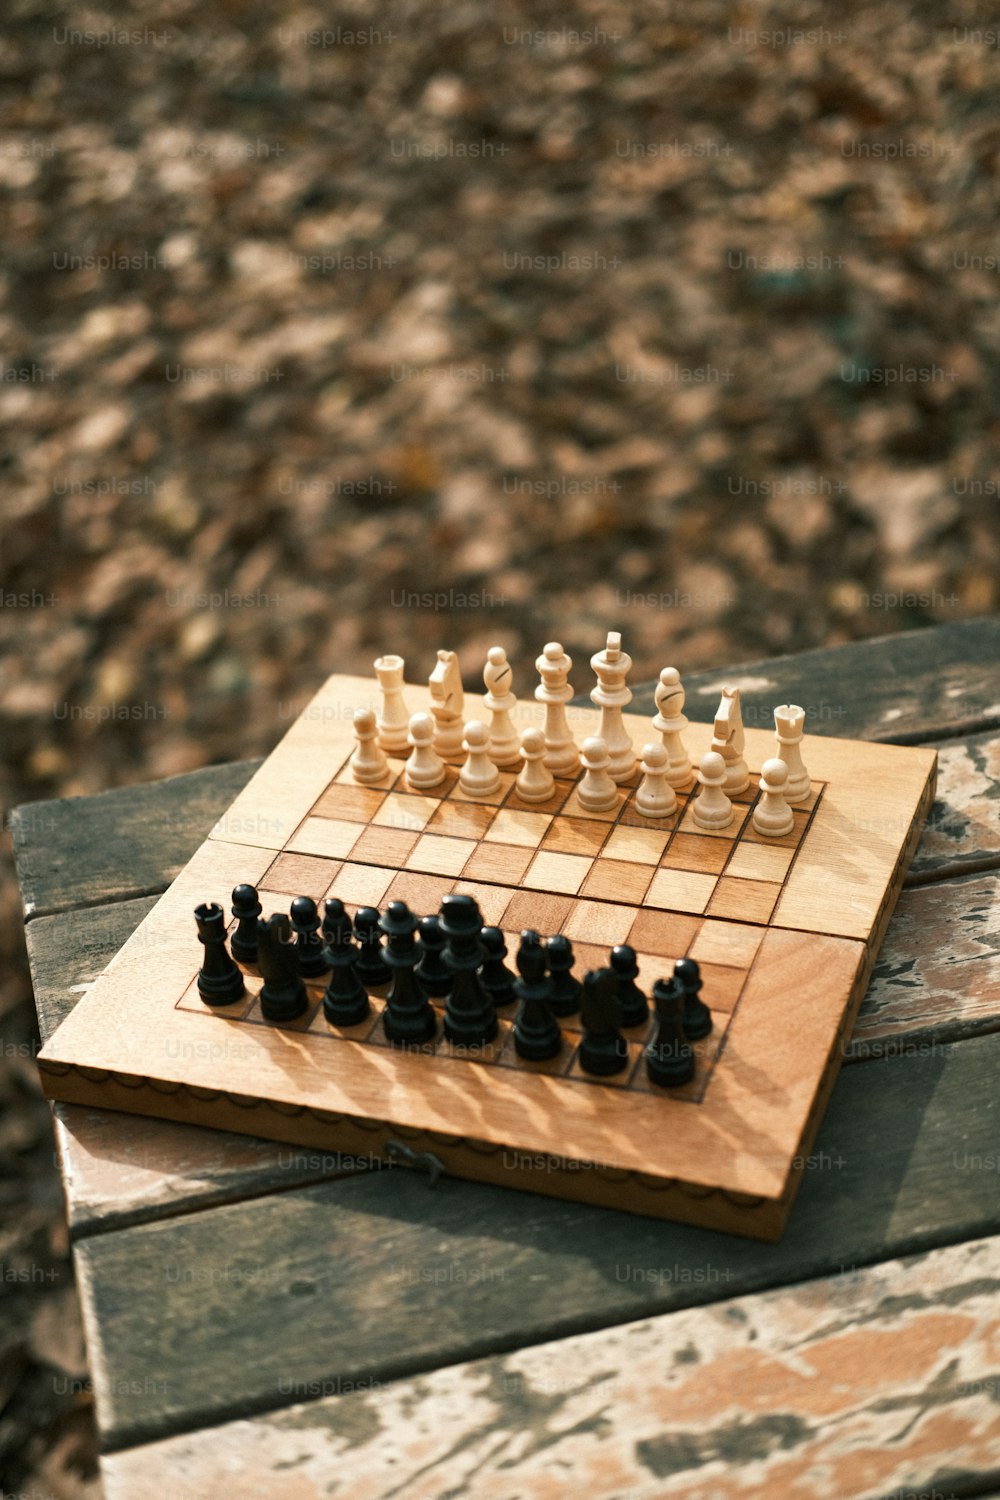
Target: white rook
pixel 788 722
pixel 393 721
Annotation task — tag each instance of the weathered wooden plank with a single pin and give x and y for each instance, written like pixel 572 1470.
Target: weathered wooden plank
pixel 907 688
pixel 963 830
pixel 119 1170
pixel 84 851
pixel 911 687
pixel 67 952
pixel 122 1169
pixel 879 1381
pixel 937 977
pixel 212 1315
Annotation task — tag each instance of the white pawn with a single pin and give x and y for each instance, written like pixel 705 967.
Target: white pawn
pixel 772 815
pixel 478 777
pixel 535 782
pixel 597 792
pixel 655 797
pixel 671 722
pixel 425 768
pixel 788 722
pixel 712 808
pixel 393 721
pixel 504 743
pixel 368 763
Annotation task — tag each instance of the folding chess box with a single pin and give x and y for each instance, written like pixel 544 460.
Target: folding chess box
pixel 785 930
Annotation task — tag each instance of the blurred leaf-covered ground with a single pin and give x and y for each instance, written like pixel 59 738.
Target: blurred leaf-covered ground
pixel 329 331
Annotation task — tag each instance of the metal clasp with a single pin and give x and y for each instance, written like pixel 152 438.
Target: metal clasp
pixel 421 1161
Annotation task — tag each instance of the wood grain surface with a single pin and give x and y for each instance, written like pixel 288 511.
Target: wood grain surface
pixel 866 1384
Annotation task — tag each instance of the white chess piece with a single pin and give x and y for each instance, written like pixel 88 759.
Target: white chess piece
pixel 425 768
pixel 788 722
pixel 671 723
pixel 505 742
pixel 611 695
pixel 368 763
pixel 655 797
pixel 478 777
pixel 729 740
pixel 535 782
pixel 393 721
pixel 561 754
pixel 712 808
pixel 447 704
pixel 772 815
pixel 597 791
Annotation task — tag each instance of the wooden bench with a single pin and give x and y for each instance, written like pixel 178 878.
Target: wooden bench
pixel 264 1319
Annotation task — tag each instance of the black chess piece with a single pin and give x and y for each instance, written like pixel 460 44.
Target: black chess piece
pixel 246 910
pixel 697 1016
pixel 494 973
pixel 536 1031
pixel 283 996
pixel 431 970
pixel 409 1017
pixel 220 979
pixel 566 988
pixel 333 914
pixel 372 969
pixel 669 1058
pixel 305 925
pixel 603 1050
pixel 632 1003
pixel 470 1018
pixel 345 999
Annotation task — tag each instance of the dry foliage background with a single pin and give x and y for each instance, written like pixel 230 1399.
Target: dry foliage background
pixel 629 364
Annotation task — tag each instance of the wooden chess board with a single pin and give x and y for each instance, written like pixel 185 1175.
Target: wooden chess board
pixel 785 930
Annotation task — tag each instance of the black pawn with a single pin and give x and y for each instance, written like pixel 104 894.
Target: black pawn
pixel 409 1017
pixel 536 1030
pixel 633 1005
pixel 246 910
pixel 345 1001
pixel 495 974
pixel 372 969
pixel 431 970
pixel 697 1016
pixel 566 988
pixel 305 925
pixel 470 1018
pixel 333 915
pixel 283 996
pixel 603 1050
pixel 669 1058
pixel 220 981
